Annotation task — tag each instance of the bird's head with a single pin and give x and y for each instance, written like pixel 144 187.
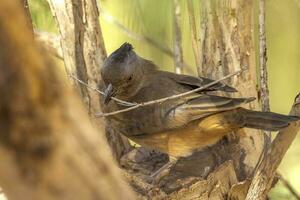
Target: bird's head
pixel 121 73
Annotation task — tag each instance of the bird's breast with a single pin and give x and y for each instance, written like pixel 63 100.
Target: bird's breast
pixel 180 142
pixel 140 121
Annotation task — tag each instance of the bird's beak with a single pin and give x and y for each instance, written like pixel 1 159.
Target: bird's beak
pixel 108 93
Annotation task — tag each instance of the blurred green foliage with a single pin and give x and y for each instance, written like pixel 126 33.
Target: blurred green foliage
pixel 153 19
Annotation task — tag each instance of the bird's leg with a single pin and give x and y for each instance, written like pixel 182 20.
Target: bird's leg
pixel 163 171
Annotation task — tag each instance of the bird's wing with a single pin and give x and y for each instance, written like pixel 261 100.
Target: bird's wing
pixel 199 107
pixel 194 82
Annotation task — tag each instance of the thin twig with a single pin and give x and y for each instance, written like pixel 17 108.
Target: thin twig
pixel 289 187
pixel 170 97
pixel 178 58
pixel 203 31
pixel 264 90
pixel 194 33
pixel 125 103
pixel 263 59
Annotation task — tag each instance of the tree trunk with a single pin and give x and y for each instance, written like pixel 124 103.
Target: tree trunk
pixel 84 52
pixel 48 149
pixel 228 46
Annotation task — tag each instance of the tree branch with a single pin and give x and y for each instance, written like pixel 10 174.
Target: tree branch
pixel 203 31
pixel 264 175
pixel 264 91
pixel 178 58
pixel 70 24
pixel 84 52
pixel 193 30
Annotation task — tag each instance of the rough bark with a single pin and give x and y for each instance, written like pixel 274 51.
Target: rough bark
pixel 84 53
pixel 48 148
pixel 264 91
pixel 227 47
pixel 81 45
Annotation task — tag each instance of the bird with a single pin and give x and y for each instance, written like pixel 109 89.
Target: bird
pixel 181 126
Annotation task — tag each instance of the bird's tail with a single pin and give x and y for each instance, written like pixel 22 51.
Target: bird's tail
pixel 268 121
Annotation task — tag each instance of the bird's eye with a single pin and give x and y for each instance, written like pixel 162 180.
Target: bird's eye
pixel 129 78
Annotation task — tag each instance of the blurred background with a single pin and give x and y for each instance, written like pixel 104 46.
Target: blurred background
pixel 145 23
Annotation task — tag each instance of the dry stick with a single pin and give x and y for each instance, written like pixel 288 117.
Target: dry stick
pixel 264 90
pixel 178 58
pixel 170 97
pixel 125 103
pixel 264 174
pixel 289 187
pixel 106 16
pixel 203 31
pixel 263 59
pixel 194 33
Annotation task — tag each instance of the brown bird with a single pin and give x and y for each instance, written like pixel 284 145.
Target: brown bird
pixel 180 126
